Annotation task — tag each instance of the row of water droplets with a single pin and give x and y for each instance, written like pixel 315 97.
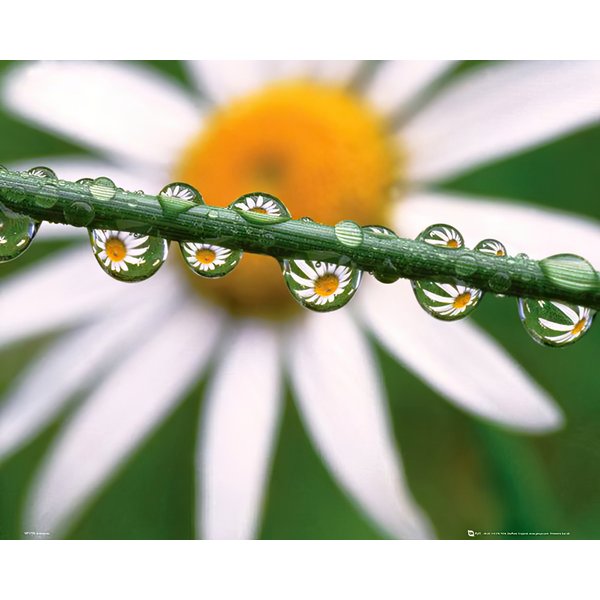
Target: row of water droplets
pixel 316 284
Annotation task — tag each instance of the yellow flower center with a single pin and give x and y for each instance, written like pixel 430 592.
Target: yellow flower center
pixel 206 256
pixel 452 244
pixel 256 209
pixel 499 252
pixel 326 285
pixel 320 150
pixel 462 300
pixel 115 249
pixel 578 328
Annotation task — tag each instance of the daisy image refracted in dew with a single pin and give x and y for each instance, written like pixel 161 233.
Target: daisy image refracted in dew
pixel 580 321
pixel 453 299
pixel 205 257
pixel 117 249
pixel 260 205
pixel 334 140
pixel 322 282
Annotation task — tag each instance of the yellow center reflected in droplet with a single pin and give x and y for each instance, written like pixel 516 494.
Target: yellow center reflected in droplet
pixel 326 285
pixel 205 256
pixel 452 244
pixel 320 150
pixel 462 300
pixel 579 327
pixel 115 249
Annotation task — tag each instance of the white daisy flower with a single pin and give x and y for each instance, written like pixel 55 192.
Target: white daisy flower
pixel 444 236
pixel 259 204
pixel 179 191
pixel 456 300
pixel 205 257
pixel 580 321
pixel 319 136
pixel 323 283
pixel 493 248
pixel 117 249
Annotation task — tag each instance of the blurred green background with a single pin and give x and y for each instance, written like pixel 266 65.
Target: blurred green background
pixel 466 473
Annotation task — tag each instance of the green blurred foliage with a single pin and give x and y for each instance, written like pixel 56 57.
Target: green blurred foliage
pixel 466 473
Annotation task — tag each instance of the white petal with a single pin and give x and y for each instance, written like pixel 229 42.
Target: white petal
pixel 225 80
pixel 339 72
pixel 458 360
pixel 538 231
pixel 242 412
pixel 51 381
pixel 118 416
pixel 500 110
pixel 399 83
pixel 119 108
pixel 338 391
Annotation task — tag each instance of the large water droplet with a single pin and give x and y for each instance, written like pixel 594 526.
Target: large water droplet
pixel 349 233
pixel 570 271
pixel 261 209
pixel 446 301
pixel 128 256
pixel 321 286
pixel 16 233
pixel 491 247
pixel 210 260
pixel 442 235
pixel 554 323
pixel 103 188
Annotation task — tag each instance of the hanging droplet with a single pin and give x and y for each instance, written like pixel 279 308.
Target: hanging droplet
pixel 384 232
pixel 349 233
pixel 128 256
pixel 176 198
pixel 321 286
pixel 446 301
pixel 79 213
pixel 210 260
pixel 500 281
pixel 442 235
pixel 103 188
pixel 16 233
pixel 261 209
pixel 570 271
pixel 554 323
pixel 491 247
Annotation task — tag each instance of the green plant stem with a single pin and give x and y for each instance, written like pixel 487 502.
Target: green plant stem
pixel 75 204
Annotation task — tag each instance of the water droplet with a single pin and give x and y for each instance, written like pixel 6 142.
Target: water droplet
pixel 44 172
pixel 321 286
pixel 176 198
pixel 16 233
pixel 466 265
pixel 446 301
pixel 491 247
pixel 210 260
pixel 212 214
pixel 87 181
pixel 380 231
pixel 387 277
pixel 522 256
pixel 306 220
pixel 554 323
pixel 444 236
pixel 261 209
pixel 128 256
pixel 349 233
pixel 103 188
pixel 570 271
pixel 79 214
pixel 500 281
